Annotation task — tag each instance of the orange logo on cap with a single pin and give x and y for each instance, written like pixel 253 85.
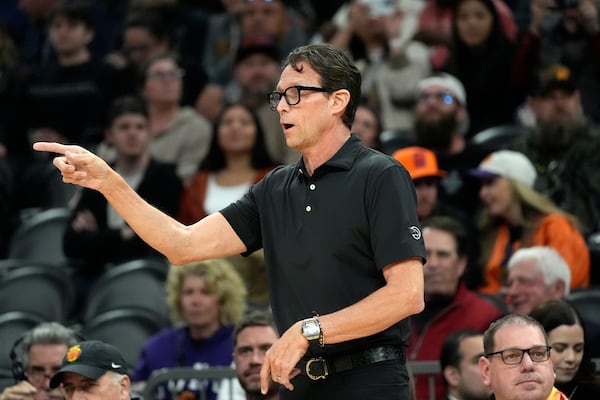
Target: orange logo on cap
pixel 73 353
pixel 562 73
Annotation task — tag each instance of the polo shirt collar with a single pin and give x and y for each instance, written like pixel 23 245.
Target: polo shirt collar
pixel 343 159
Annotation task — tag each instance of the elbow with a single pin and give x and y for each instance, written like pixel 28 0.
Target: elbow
pixel 417 302
pixel 419 305
pixel 178 259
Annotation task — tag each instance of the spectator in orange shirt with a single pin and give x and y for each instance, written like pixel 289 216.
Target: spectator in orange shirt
pixel 516 216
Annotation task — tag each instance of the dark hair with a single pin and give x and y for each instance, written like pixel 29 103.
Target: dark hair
pixel 74 11
pixel 510 319
pixel 450 354
pixel 452 226
pixel 151 22
pixel 215 159
pixel 554 313
pixel 336 70
pixel 125 105
pixel 497 35
pixel 254 318
pixel 143 71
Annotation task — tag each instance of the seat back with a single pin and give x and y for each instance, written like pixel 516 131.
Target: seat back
pixel 593 243
pixel 13 325
pixel 394 139
pixel 127 329
pixel 40 237
pixel 497 137
pixel 40 289
pixel 137 283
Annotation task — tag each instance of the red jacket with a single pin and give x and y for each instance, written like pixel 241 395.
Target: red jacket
pixel 467 311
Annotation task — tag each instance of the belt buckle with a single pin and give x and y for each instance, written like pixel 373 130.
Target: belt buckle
pixel 320 374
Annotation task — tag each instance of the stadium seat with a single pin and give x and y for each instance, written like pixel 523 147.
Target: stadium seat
pixel 497 137
pixel 36 288
pixel 394 139
pixel 40 237
pixel 138 283
pixel 125 328
pixel 12 326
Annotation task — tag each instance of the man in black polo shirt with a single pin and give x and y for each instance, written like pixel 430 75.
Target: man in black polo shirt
pixel 342 241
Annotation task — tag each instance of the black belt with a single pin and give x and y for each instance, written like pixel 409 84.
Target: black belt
pixel 320 368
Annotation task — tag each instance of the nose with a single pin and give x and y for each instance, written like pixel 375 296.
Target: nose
pixel 570 355
pixel 258 357
pixel 527 362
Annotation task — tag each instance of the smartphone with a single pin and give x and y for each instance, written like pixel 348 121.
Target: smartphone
pixel 380 8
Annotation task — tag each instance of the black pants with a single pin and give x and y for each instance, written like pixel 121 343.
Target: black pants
pixel 386 380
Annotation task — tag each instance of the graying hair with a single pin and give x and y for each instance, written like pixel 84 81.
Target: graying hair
pixel 46 333
pixel 548 261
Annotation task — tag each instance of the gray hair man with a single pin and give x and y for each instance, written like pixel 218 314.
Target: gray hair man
pixel 35 357
pixel 535 275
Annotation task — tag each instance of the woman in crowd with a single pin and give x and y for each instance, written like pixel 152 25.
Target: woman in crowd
pixel 179 134
pixel 367 126
pixel 481 58
pixel 515 215
pixel 573 367
pixel 206 299
pixel 237 158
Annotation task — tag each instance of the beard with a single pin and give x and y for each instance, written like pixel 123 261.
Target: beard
pixel 559 135
pixel 436 135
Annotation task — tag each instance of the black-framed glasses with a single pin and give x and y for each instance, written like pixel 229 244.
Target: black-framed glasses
pixel 515 356
pixel 291 95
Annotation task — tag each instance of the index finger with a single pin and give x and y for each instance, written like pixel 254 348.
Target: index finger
pixel 51 147
pixel 265 377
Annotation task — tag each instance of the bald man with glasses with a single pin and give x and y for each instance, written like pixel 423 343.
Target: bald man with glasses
pixel 516 363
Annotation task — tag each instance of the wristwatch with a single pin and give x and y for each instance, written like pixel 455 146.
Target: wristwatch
pixel 311 329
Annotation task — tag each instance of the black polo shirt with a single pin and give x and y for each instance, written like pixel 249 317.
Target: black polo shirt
pixel 327 237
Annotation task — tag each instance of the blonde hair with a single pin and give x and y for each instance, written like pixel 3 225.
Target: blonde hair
pixel 529 206
pixel 221 276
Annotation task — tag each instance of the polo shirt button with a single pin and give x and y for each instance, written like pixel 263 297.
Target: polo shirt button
pixel 312 186
pixel 308 208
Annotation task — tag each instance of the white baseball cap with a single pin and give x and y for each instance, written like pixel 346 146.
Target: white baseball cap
pixel 508 164
pixel 448 82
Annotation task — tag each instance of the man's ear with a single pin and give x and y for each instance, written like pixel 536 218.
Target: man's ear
pixel 484 367
pixel 339 101
pixel 559 289
pixel 125 386
pixel 451 375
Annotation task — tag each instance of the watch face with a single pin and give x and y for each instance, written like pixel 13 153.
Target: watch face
pixel 311 329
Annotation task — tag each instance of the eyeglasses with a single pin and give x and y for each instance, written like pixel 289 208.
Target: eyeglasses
pixel 164 75
pixel 291 95
pixel 444 97
pixel 515 356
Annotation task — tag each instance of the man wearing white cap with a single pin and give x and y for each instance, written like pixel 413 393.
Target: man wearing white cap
pixel 516 216
pixel 441 123
pixel 93 370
